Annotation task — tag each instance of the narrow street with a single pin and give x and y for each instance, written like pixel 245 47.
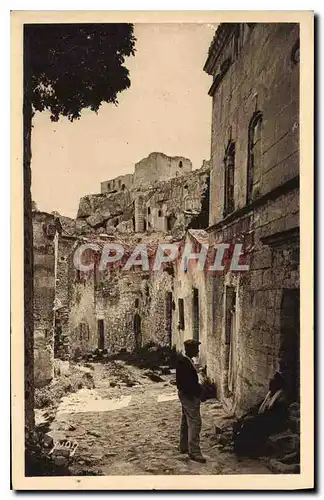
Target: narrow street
pixel 126 429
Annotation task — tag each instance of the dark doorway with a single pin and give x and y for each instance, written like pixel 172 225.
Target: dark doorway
pixel 290 342
pixel 170 222
pixel 230 338
pixel 181 314
pixel 168 316
pixel 195 315
pixel 137 330
pixel 101 334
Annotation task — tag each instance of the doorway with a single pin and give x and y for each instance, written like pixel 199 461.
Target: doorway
pixel 290 342
pixel 195 315
pixel 101 334
pixel 137 330
pixel 230 338
pixel 168 316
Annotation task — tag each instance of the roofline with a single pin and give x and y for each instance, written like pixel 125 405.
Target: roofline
pixel 221 36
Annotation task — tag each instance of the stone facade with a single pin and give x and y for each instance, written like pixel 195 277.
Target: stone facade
pixel 255 328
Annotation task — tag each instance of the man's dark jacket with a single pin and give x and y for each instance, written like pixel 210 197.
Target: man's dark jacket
pixel 187 378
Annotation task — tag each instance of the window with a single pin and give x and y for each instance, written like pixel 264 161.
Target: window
pixel 108 185
pixel 180 164
pixel 148 211
pixel 160 213
pixel 229 164
pixel 136 302
pixel 181 314
pixel 254 156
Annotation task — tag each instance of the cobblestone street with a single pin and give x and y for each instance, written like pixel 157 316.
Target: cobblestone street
pixel 125 429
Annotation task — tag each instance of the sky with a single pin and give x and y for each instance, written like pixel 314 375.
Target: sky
pixel 166 109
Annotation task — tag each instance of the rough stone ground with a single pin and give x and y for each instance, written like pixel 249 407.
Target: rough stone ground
pixel 125 429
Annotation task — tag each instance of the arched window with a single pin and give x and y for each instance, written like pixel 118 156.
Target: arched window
pixel 229 168
pixel 254 156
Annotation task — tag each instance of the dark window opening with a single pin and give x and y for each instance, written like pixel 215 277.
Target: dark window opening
pixel 108 185
pixel 160 213
pixel 123 187
pixel 136 302
pixel 180 164
pixel 229 170
pixel 254 156
pixel 148 211
pixel 181 314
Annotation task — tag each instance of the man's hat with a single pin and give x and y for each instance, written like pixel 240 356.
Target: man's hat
pixel 191 342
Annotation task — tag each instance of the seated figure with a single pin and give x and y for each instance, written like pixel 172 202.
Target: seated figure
pixel 251 431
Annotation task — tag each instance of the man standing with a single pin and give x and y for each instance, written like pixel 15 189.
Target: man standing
pixel 189 391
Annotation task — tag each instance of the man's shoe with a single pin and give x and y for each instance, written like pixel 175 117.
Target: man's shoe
pixel 198 458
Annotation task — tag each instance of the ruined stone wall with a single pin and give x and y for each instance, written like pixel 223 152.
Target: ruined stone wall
pixel 82 317
pixel 160 167
pixel 262 78
pixel 44 284
pixel 176 202
pixel 117 183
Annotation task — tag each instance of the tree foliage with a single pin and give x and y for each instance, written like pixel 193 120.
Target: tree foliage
pixel 69 67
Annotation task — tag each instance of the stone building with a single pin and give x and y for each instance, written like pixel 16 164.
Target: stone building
pixel 160 167
pixel 118 184
pixel 115 309
pixel 254 199
pixel 155 168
